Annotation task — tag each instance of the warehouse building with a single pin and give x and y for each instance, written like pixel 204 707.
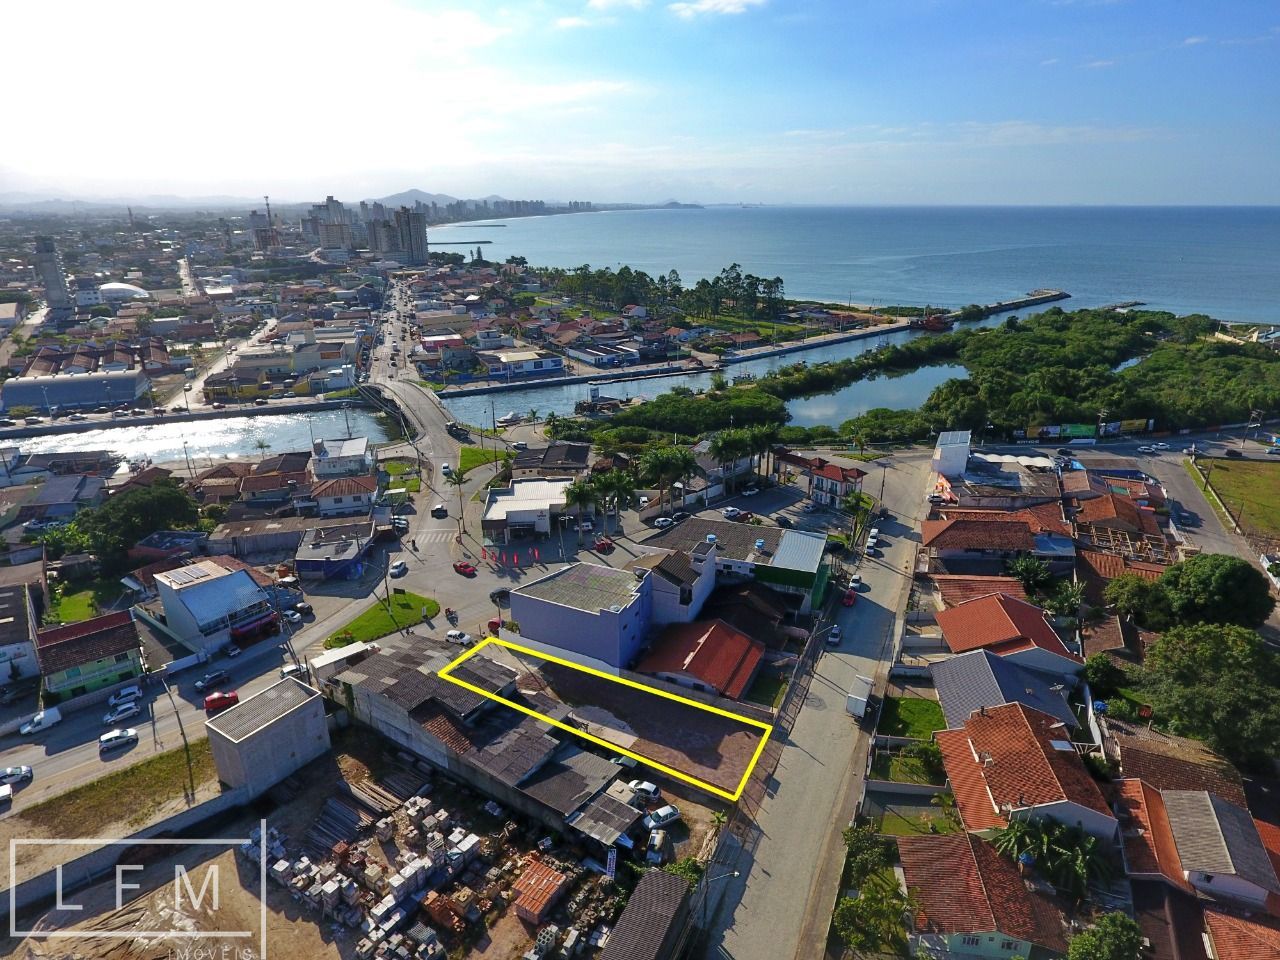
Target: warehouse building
pixel 259 742
pixel 75 391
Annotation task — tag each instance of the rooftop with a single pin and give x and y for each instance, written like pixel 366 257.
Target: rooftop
pixel 60 648
pixel 584 586
pixel 258 711
pixel 1168 762
pixel 525 495
pixel 786 549
pixel 15 619
pixel 1001 624
pixel 1217 837
pixel 1236 937
pixel 569 780
pixel 712 652
pixel 644 928
pixel 981 679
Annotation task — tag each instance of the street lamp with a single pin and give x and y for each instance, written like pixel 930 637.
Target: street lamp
pixel 706 892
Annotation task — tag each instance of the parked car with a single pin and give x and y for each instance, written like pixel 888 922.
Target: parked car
pixel 117 739
pixel 398 569
pixel 439 510
pixel 399 524
pixel 603 544
pixel 644 790
pixel 303 607
pixel 655 851
pixel 783 521
pixel 850 598
pixel 42 721
pixel 1273 451
pixel 16 775
pixel 936 498
pixel 122 712
pixel 586 526
pixel 1234 454
pixel 501 595
pixel 661 817
pixel 30 420
pixel 809 507
pixel 833 635
pixel 293 670
pixel 220 701
pixel 293 616
pixel 1064 452
pixel 459 637
pixel 750 491
pixel 212 679
pixel 464 568
pixel 446 469
pixel 124 695
pixel 731 513
pixel 231 650
pixel 872 543
pixel 680 515
pixel 661 523
pixel 77 417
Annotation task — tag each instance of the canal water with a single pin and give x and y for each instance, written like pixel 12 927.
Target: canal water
pixel 905 391
pixel 211 440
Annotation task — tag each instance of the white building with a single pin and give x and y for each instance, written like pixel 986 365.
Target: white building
pixel 951 455
pixel 341 458
pixel 262 740
pixel 521 363
pixel 524 508
pixel 344 496
pixel 208 606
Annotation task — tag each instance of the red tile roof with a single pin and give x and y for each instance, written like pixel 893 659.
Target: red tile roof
pixel 831 471
pixel 1096 569
pixel 1149 848
pixel 1011 748
pixel 1167 762
pixel 1239 938
pixel 344 487
pixel 1118 512
pixel 713 652
pixel 976 535
pixel 999 623
pixel 964 886
pixel 1041 518
pixel 956 588
pixel 60 648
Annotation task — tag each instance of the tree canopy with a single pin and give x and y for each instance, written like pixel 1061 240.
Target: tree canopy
pixel 111 529
pixel 1217 588
pixel 1114 937
pixel 1217 683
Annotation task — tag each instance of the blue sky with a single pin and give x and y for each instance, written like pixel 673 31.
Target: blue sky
pixel 806 101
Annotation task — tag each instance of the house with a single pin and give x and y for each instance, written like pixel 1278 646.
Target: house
pixel 951 453
pixel 654 925
pixel 334 551
pixel 716 474
pixel 521 363
pixel 18 621
pixel 81 657
pixel 953 543
pixel 1168 762
pixel 1233 935
pixel 679 588
pixel 974 903
pixel 341 458
pixel 593 614
pixel 1052 533
pixel 1219 848
pixel 830 483
pixel 951 589
pixel 980 679
pixel 553 460
pixel 1012 762
pixel 208 607
pixel 756 610
pixel 705 655
pixel 1171 921
pixel 524 508
pixel 1114 512
pixel 343 496
pixel 1011 628
pixel 62 497
pixel 1095 569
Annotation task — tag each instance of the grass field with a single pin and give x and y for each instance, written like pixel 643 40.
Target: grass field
pixel 767 690
pixel 900 769
pixel 378 621
pixel 471 457
pixel 910 821
pixel 84 600
pixel 910 717
pixel 139 789
pixel 1252 490
pixel 404 474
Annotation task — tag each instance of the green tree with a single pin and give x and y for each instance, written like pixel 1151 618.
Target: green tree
pixel 719 382
pixel 1032 572
pixel 1102 674
pixel 1133 596
pixel 580 494
pixel 111 529
pixel 1217 588
pixel 1217 683
pixel 688 868
pixel 1066 598
pixel 874 921
pixel 1114 937
pixel 658 467
pixel 867 852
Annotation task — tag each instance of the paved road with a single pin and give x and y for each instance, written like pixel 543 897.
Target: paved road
pixel 780 906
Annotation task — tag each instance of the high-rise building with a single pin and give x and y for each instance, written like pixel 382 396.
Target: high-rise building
pixel 383 237
pixel 411 227
pixel 336 236
pixel 52 274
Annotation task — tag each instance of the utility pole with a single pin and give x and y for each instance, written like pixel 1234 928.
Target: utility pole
pixel 1255 420
pixel 1102 416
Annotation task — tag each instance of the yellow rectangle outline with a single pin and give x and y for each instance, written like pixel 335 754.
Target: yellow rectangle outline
pixel 445 673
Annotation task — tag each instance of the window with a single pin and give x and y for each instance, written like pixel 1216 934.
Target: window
pixel 337 499
pixel 121 657
pixel 971 941
pixel 1008 945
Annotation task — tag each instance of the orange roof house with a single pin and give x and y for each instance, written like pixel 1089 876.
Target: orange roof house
pixel 706 654
pixel 1008 627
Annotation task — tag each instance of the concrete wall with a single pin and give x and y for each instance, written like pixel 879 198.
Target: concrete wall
pixel 1090 821
pixel 1228 887
pixel 264 758
pixel 666 597
pixel 615 638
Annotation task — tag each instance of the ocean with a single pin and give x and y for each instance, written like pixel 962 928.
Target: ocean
pixel 1222 261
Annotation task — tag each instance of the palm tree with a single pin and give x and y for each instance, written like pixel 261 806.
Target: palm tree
pixel 684 464
pixel 760 440
pixel 456 479
pixel 656 466
pixel 580 494
pixel 728 447
pixel 620 487
pixel 263 446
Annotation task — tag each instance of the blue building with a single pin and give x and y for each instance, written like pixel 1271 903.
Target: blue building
pixel 326 553
pixel 591 614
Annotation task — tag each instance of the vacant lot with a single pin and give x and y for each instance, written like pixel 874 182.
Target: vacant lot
pixel 1251 489
pixel 406 609
pixel 910 717
pixel 471 457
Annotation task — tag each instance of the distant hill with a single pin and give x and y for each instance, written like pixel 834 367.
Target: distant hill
pixel 407 198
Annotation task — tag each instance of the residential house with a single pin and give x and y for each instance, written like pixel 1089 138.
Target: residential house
pixel 63 497
pixel 832 484
pixel 707 655
pixel 208 607
pixel 1012 762
pixel 755 609
pixel 81 657
pixel 716 476
pixel 951 589
pixel 343 496
pixel 593 614
pixel 1234 935
pixel 1114 512
pixel 554 460
pixel 341 458
pixel 505 364
pixel 973 902
pixel 679 588
pixel 1168 762
pixel 1219 848
pixel 980 679
pixel 18 621
pixel 955 546
pixel 1053 534
pixel 654 925
pixel 1010 628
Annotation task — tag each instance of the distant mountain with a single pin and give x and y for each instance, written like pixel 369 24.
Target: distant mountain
pixel 408 198
pixel 44 203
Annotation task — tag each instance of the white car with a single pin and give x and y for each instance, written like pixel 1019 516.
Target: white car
pixel 661 817
pixel 1160 446
pixel 117 739
pixel 750 491
pixel 662 523
pixel 586 526
pixel 833 636
pixel 293 670
pixel 15 775
pixel 293 616
pixel 730 512
pixel 124 695
pixel 459 637
pixel 122 712
pixel 875 532
pixel 1146 449
pixel 872 543
pixel 398 569
pixel 645 790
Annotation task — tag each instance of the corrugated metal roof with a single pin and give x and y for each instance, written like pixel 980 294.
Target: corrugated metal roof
pixel 798 550
pixel 584 586
pixel 1214 836
pixel 251 715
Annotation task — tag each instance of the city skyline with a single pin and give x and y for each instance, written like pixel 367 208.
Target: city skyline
pixel 707 101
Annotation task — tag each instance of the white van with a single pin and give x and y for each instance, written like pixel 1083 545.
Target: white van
pixel 43 720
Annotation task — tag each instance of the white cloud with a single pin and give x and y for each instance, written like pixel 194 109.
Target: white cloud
pixel 693 8
pixel 1049 63
pixel 1192 41
pixel 615 4
pixel 574 23
pixel 1099 64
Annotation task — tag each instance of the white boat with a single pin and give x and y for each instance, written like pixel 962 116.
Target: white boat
pixel 510 420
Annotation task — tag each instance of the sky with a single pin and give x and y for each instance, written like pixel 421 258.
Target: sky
pixel 768 101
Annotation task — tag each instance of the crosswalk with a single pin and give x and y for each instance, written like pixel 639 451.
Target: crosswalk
pixel 435 536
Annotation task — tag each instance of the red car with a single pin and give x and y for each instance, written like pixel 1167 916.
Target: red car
pixel 220 701
pixel 604 544
pixel 464 568
pixel 850 598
